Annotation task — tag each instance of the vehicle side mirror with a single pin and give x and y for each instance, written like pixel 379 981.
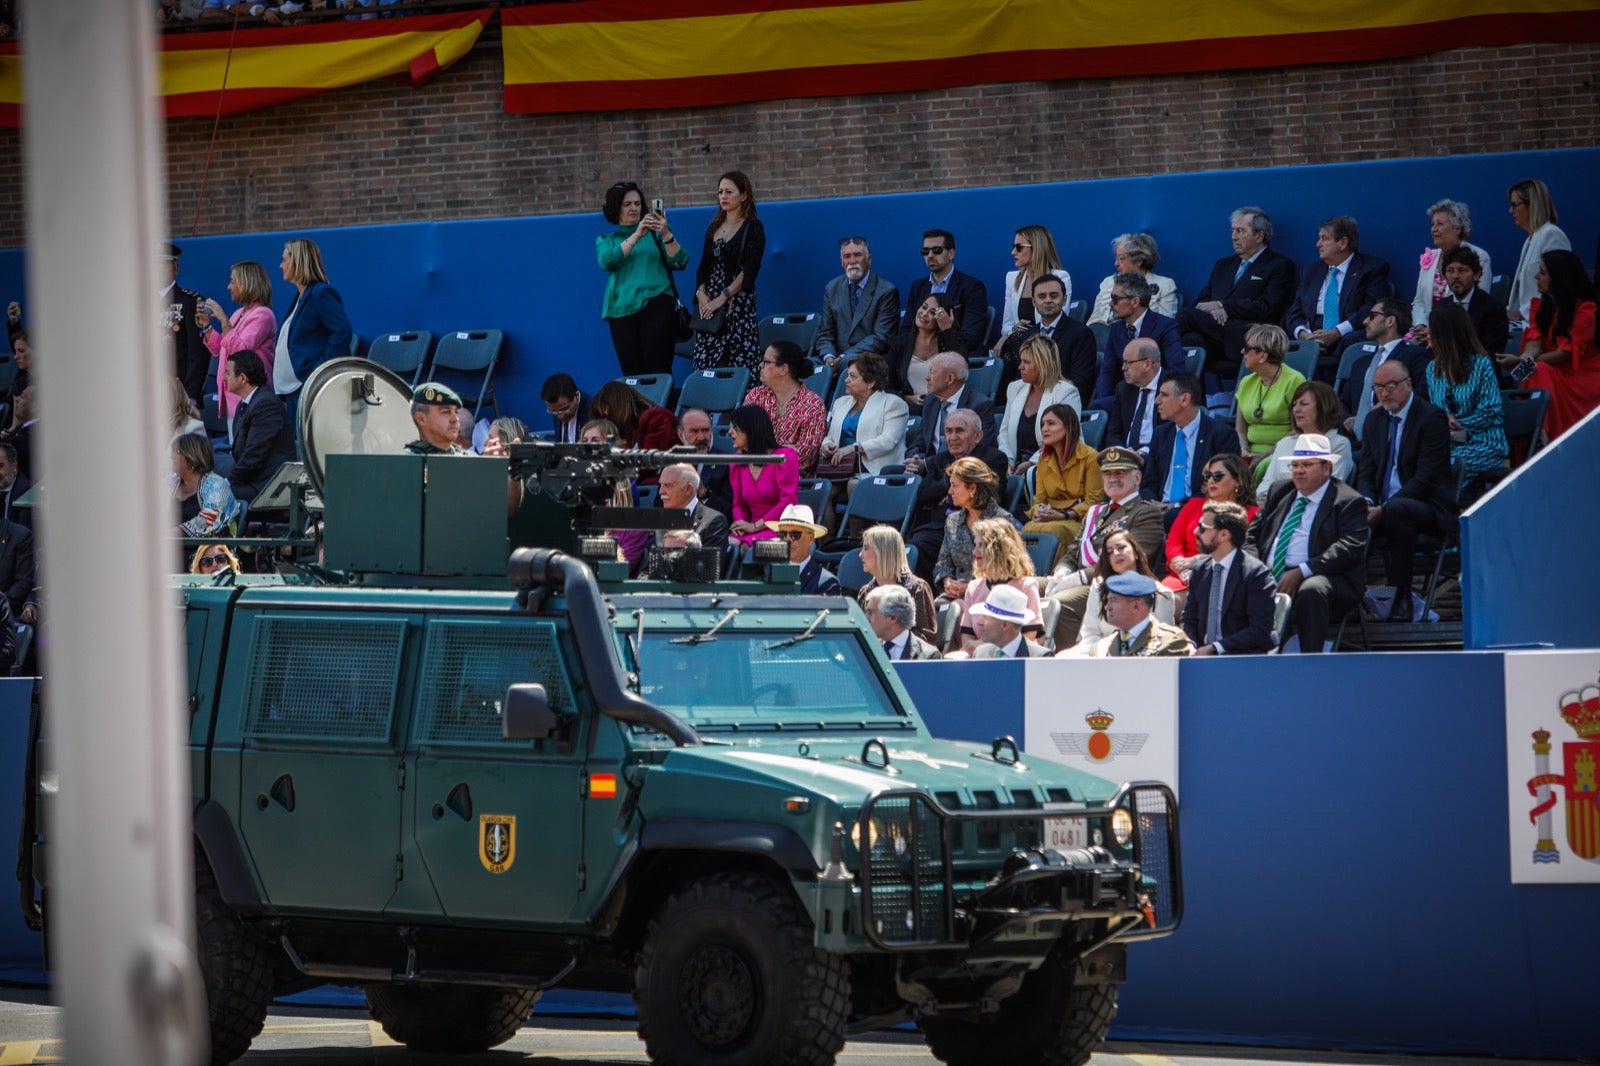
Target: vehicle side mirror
pixel 527 714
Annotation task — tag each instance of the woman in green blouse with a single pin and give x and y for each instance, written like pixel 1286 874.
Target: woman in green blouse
pixel 1266 388
pixel 641 304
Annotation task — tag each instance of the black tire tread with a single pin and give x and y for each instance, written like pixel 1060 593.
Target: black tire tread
pixel 237 969
pixel 814 1033
pixel 459 1019
pixel 1050 1021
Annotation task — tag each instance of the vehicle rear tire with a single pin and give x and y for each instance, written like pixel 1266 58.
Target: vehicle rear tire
pixel 729 977
pixel 461 1018
pixel 235 966
pixel 1050 1020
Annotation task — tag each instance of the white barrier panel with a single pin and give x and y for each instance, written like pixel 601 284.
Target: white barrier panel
pixel 1115 718
pixel 1553 766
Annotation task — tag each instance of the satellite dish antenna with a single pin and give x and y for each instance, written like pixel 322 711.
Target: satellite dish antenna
pixel 353 406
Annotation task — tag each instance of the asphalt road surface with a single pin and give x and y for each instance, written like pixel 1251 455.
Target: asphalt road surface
pixel 30 1032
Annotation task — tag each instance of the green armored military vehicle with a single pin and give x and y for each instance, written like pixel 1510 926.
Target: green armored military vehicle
pixel 719 797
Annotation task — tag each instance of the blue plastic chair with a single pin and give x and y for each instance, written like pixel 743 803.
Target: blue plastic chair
pixel 465 354
pixel 404 353
pixel 715 391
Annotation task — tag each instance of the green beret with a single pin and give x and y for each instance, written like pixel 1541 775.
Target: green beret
pixel 435 393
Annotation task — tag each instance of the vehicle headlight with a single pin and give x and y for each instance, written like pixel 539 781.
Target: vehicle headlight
pixel 1121 826
pixel 880 836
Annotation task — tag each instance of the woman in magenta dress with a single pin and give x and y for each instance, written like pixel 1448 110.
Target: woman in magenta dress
pixel 760 493
pixel 1558 348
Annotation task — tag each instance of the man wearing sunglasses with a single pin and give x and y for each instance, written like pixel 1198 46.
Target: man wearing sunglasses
pixel 970 296
pixel 860 309
pixel 798 526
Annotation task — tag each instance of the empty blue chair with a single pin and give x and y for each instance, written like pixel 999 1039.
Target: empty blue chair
pixel 464 355
pixel 1093 424
pixel 715 391
pixel 404 353
pixel 657 388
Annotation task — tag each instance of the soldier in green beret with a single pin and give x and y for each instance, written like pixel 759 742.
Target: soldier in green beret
pixel 436 409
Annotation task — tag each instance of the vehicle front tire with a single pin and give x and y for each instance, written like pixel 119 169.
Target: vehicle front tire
pixel 1051 1020
pixel 235 967
pixel 459 1019
pixel 729 977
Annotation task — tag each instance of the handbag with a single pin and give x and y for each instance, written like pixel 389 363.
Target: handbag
pixel 713 325
pixel 840 466
pixel 685 320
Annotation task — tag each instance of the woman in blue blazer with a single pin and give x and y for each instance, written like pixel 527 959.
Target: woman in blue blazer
pixel 315 330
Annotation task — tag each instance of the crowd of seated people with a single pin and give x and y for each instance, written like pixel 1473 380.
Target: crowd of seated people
pixel 1305 478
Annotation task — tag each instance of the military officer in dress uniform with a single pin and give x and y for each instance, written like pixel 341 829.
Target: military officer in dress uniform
pixel 178 305
pixel 436 409
pixel 1130 598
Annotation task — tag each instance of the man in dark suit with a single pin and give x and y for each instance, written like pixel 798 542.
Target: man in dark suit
pixel 694 432
pixel 1075 343
pixel 970 295
pixel 679 487
pixel 1386 327
pixel 17 572
pixel 263 439
pixel 964 436
pixel 948 392
pixel 190 357
pixel 1404 473
pixel 12 487
pixel 1134 416
pixel 1185 441
pixel 798 526
pixel 1463 272
pixel 891 613
pixel 1312 535
pixel 1338 290
pixel 1132 320
pixel 860 309
pixel 1239 622
pixel 1254 284
pixel 568 407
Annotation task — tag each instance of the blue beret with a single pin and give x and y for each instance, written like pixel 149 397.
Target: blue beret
pixel 1132 583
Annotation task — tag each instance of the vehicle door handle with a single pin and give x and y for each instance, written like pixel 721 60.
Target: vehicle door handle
pixel 459 800
pixel 282 791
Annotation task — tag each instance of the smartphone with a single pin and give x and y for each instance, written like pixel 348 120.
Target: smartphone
pixel 657 207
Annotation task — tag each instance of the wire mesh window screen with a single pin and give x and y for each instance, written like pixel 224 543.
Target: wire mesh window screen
pixel 324 678
pixel 469 665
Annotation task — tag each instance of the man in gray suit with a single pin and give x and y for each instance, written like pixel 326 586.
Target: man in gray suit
pixel 891 612
pixel 860 309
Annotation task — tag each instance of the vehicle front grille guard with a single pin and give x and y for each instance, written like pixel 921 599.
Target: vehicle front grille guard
pixel 907 844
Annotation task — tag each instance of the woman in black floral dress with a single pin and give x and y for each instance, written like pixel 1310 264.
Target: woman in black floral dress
pixel 726 278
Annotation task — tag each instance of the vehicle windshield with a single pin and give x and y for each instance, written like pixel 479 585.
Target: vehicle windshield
pixel 756 680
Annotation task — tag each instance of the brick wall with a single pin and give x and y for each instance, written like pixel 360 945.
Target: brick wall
pixel 387 153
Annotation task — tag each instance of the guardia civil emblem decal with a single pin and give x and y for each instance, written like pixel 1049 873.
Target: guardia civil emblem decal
pixel 497 841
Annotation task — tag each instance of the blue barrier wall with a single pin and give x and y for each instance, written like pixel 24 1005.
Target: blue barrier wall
pixel 1345 859
pixel 1510 538
pixel 536 278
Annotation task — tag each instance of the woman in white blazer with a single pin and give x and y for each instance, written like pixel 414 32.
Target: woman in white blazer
pixel 1450 224
pixel 1033 251
pixel 1039 385
pixel 1535 212
pixel 868 418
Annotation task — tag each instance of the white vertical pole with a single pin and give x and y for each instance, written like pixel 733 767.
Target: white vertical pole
pixel 120 855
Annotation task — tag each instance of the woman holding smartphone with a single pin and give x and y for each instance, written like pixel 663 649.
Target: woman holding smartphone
pixel 641 301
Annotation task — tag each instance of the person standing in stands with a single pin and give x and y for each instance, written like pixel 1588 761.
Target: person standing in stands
pixel 178 307
pixel 725 281
pixel 1559 353
pixel 252 326
pixel 316 328
pixel 641 302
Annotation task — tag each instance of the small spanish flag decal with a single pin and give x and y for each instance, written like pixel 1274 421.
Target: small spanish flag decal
pixel 603 786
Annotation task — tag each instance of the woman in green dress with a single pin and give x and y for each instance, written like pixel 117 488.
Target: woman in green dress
pixel 1266 389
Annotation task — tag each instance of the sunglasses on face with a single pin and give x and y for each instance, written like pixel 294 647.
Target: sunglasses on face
pixel 1019 246
pixel 792 534
pixel 1213 475
pixel 934 251
pixel 208 561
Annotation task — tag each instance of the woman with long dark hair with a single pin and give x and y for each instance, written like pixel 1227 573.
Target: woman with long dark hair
pixel 913 348
pixel 725 281
pixel 1461 383
pixel 799 418
pixel 1067 478
pixel 1558 347
pixel 760 493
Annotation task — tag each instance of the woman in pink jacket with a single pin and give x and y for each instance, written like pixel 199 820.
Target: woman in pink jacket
pixel 253 326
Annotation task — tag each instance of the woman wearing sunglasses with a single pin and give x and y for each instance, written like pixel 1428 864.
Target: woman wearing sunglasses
pixel 1033 252
pixel 1224 481
pixel 1266 388
pixel 213 559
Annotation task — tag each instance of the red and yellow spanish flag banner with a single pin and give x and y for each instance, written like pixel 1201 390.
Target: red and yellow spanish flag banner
pixel 260 66
pixel 613 55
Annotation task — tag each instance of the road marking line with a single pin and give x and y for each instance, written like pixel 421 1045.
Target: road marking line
pixel 380 1038
pixel 1145 1058
pixel 22 1052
